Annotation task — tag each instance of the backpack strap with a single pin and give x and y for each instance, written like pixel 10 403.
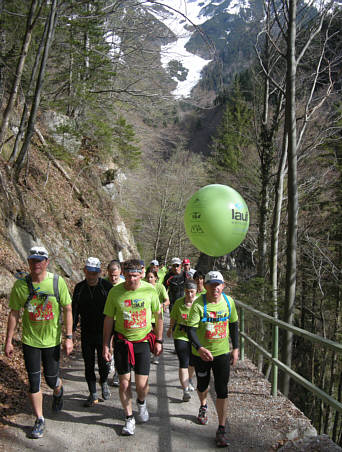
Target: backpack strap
pixel 228 304
pixel 55 288
pixel 56 294
pixel 205 314
pixel 32 292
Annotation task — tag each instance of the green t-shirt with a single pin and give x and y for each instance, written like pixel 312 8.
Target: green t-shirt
pixel 201 293
pixel 214 333
pixel 41 328
pixel 161 274
pixel 162 295
pixel 132 309
pixel 180 314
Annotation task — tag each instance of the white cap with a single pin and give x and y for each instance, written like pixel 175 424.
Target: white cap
pixel 176 260
pixel 38 252
pixel 213 277
pixel 154 262
pixel 93 264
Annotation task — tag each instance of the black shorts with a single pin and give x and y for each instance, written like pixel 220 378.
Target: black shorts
pixel 221 368
pixel 183 350
pixel 141 354
pixel 33 358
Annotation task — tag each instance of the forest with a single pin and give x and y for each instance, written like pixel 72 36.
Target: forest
pixel 277 141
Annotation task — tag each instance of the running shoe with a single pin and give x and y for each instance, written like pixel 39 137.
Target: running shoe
pixel 221 439
pixel 105 391
pixel 112 366
pixel 129 427
pixel 38 429
pixel 57 401
pixel 115 381
pixel 92 400
pixel 191 385
pixel 203 415
pixel 143 415
pixel 186 395
pixel 155 360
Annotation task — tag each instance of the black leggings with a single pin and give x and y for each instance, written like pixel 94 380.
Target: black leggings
pixel 221 369
pixel 183 350
pixel 33 357
pixel 88 353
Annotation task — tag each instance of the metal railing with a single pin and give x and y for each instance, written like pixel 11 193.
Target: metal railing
pixel 273 357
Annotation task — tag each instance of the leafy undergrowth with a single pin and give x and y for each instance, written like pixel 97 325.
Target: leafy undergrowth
pixel 13 376
pixel 13 379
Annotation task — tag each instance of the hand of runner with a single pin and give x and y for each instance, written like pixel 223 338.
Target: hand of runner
pixel 158 348
pixel 106 353
pixel 68 346
pixel 205 354
pixel 234 356
pixel 9 349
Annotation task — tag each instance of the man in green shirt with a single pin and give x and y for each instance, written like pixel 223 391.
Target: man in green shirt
pixel 41 330
pixel 129 308
pixel 212 319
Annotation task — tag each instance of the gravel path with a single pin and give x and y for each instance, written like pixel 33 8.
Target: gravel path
pixel 257 422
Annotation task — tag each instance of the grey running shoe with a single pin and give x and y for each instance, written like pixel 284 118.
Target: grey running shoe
pixel 143 415
pixel 155 360
pixel 105 391
pixel 129 427
pixel 57 401
pixel 191 385
pixel 38 429
pixel 116 382
pixel 92 400
pixel 186 395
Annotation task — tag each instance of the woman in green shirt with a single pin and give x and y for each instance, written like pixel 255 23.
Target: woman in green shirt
pixel 178 329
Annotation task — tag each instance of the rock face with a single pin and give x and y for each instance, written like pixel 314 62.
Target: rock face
pixel 60 129
pixel 63 207
pixel 6 282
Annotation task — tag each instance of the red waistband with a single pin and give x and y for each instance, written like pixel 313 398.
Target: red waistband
pixel 150 337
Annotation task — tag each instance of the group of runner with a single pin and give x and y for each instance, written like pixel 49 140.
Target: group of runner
pixel 121 319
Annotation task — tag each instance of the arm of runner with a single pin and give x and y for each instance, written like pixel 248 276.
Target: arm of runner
pixel 158 347
pixel 204 353
pixel 68 344
pixel 169 331
pixel 13 318
pixel 107 334
pixel 75 311
pixel 234 336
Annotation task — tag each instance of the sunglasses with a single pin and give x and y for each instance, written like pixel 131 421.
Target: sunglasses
pixel 176 265
pixel 39 253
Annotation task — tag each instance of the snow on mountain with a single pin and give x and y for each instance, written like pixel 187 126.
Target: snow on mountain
pixel 178 16
pixel 177 23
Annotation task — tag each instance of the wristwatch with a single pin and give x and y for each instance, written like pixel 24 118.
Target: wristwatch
pixel 159 341
pixel 68 336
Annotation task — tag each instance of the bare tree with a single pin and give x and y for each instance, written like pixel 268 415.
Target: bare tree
pixel 33 15
pixel 52 19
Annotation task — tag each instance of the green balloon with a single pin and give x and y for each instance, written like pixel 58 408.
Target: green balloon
pixel 216 219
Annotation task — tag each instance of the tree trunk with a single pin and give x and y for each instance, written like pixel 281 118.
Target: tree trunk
pixel 24 115
pixel 19 70
pixel 276 225
pixel 290 125
pixel 52 19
